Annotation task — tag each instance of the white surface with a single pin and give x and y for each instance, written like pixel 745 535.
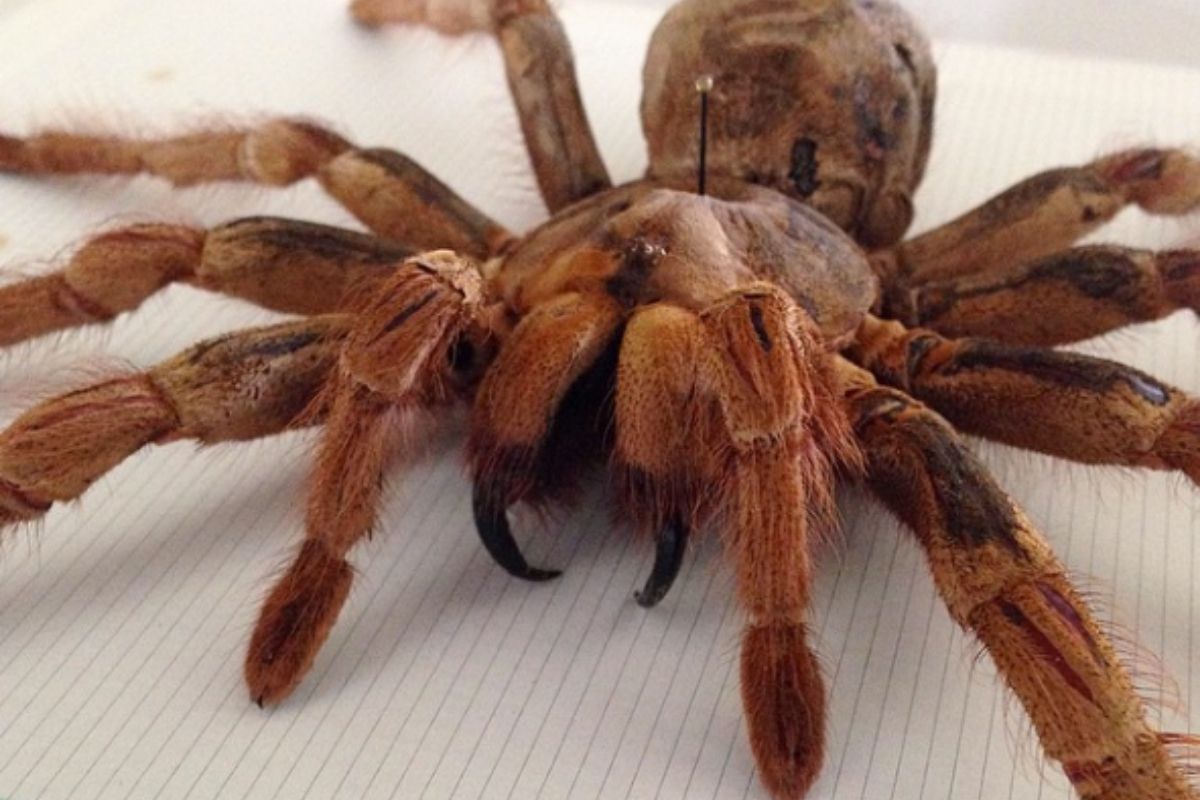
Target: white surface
pixel 1160 31
pixel 123 621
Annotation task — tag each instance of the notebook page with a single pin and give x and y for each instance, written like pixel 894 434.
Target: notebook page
pixel 124 617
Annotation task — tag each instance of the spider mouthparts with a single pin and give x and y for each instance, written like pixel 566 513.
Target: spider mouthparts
pixel 491 521
pixel 671 544
pixel 259 701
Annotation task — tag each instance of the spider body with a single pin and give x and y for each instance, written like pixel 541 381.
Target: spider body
pixel 644 243
pixel 731 354
pixel 827 102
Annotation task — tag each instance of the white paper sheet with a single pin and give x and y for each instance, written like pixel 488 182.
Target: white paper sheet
pixel 124 617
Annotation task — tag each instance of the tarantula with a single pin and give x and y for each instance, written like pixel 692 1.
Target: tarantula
pixel 733 351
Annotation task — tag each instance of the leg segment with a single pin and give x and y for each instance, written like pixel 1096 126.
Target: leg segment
pixel 1002 582
pixel 286 265
pixel 391 194
pixel 541 77
pixel 395 363
pixel 512 451
pixel 241 386
pixel 1067 297
pixel 1047 213
pixel 784 434
pixel 1084 409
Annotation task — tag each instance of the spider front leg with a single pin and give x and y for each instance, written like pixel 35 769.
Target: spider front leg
pixel 1001 581
pixel 1067 405
pixel 541 78
pixel 407 353
pixel 1047 213
pixel 388 192
pixel 286 265
pixel 241 386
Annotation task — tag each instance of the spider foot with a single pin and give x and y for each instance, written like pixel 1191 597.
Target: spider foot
pixel 1160 181
pixel 295 622
pixel 785 707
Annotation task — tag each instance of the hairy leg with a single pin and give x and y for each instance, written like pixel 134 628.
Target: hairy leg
pixel 541 77
pixel 783 436
pixel 1047 213
pixel 396 362
pixel 286 265
pixel 390 193
pixel 511 452
pixel 1001 581
pixel 1067 405
pixel 241 386
pixel 1066 297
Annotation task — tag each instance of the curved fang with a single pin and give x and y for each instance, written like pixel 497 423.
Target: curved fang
pixel 668 558
pixel 491 521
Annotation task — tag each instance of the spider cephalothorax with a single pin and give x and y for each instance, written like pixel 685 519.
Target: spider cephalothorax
pixel 730 354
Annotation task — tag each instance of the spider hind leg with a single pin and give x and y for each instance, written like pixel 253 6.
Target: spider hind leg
pixel 390 193
pixel 1001 581
pixel 541 78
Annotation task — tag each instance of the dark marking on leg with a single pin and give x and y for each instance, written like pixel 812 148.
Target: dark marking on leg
pixel 975 511
pixel 270 348
pixel 322 241
pixel 670 546
pixel 406 314
pixel 1064 609
pixel 1066 369
pixel 760 327
pixel 1046 648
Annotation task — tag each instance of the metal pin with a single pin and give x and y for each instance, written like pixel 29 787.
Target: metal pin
pixel 704 85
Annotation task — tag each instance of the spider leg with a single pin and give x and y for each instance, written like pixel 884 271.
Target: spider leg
pixel 1002 582
pixel 241 386
pixel 286 265
pixel 388 192
pixel 522 392
pixel 396 363
pixel 1072 406
pixel 1047 213
pixel 1066 297
pixel 541 78
pixel 784 433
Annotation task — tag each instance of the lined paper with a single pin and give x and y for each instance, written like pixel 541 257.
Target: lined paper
pixel 124 617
